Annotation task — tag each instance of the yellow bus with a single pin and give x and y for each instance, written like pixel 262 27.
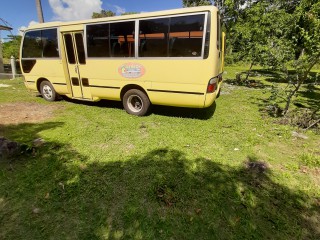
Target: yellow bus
pixel 172 58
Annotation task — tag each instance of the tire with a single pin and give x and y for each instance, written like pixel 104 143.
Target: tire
pixel 136 102
pixel 47 91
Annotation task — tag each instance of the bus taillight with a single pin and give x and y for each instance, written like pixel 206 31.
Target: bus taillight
pixel 212 85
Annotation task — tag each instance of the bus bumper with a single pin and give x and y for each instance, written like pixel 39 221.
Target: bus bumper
pixel 32 85
pixel 211 97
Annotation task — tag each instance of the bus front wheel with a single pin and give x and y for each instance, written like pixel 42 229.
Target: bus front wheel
pixel 136 102
pixel 47 91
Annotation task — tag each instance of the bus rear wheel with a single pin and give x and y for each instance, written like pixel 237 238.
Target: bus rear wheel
pixel 136 102
pixel 47 91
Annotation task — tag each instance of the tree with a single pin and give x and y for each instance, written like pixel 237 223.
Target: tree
pixel 12 47
pixel 103 13
pixel 261 36
pixel 307 42
pixel 279 34
pixel 193 3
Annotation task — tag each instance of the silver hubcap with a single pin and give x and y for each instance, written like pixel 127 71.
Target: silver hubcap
pixel 135 103
pixel 47 91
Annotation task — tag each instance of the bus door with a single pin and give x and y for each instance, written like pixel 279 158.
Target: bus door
pixel 223 50
pixel 76 61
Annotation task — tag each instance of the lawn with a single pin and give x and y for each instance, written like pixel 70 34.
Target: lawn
pixel 227 172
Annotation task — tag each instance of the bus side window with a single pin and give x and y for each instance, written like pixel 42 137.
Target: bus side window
pixel 153 39
pixel 41 44
pixel 122 40
pixel 50 43
pixel 186 34
pixel 32 45
pixel 98 40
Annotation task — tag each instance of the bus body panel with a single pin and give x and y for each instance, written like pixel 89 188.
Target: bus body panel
pixel 179 81
pixel 170 81
pixel 49 69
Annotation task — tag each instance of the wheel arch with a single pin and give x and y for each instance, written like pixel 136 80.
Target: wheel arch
pixel 129 87
pixel 39 81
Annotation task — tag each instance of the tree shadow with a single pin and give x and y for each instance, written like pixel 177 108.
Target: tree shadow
pixel 310 98
pixel 58 193
pixel 271 76
pixel 240 79
pixel 307 99
pixel 26 132
pixel 278 77
pixel 250 83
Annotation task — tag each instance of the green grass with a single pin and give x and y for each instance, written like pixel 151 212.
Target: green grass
pixel 176 174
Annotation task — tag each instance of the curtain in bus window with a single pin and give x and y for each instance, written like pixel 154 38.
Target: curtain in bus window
pixel 32 45
pixel 153 37
pixel 122 39
pixel 185 37
pixel 98 40
pixel 50 43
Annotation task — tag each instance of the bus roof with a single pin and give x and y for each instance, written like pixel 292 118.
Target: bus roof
pixel 125 17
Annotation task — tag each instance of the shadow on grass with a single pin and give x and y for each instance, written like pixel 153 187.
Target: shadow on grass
pixel 102 103
pixel 197 113
pixel 310 98
pixel 251 83
pixel 26 132
pixel 181 112
pixel 271 76
pixel 274 77
pixel 59 194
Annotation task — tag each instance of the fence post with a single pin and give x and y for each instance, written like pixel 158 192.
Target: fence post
pixel 13 67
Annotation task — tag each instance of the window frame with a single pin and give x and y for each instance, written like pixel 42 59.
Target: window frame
pixel 109 22
pixel 137 34
pixel 45 58
pixel 145 19
pixel 85 42
pixel 206 13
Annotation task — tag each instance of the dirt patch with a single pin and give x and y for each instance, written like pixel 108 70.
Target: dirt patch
pixel 16 113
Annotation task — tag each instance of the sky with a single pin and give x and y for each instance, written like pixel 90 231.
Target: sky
pixel 21 13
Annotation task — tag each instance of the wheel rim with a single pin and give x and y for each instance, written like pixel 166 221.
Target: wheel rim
pixel 135 103
pixel 47 91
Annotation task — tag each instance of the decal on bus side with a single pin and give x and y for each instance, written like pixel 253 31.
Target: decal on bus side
pixel 131 70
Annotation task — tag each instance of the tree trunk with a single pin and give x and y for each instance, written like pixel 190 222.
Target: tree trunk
pixel 39 11
pixel 300 82
pixel 249 71
pixel 292 93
